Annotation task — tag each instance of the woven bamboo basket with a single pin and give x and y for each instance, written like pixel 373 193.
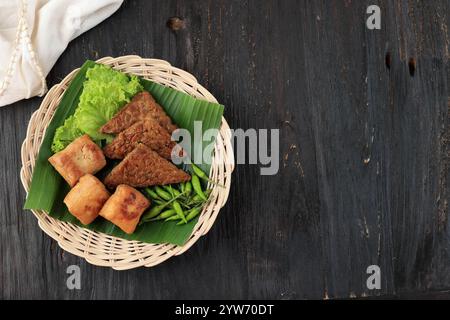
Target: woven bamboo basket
pixel 104 250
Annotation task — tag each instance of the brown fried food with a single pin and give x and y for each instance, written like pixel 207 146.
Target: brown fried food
pixel 125 207
pixel 85 200
pixel 143 167
pixel 142 106
pixel 81 156
pixel 148 132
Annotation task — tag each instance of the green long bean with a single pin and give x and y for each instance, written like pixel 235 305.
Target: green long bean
pixel 197 187
pixel 177 207
pixel 162 193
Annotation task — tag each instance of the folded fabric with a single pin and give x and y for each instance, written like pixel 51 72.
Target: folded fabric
pixel 34 33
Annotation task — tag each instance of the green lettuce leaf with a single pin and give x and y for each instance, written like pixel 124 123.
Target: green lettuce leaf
pixel 65 134
pixel 104 92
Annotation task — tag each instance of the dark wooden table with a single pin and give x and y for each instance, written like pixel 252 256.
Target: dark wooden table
pixel 364 153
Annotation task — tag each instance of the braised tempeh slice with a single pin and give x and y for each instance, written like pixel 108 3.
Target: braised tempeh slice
pixel 148 132
pixel 143 167
pixel 142 106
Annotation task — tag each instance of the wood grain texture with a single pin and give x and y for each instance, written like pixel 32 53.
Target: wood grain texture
pixel 365 153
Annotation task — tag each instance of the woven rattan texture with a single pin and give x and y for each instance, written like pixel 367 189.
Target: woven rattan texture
pixel 104 250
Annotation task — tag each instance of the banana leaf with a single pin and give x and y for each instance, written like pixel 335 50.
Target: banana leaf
pixel 48 189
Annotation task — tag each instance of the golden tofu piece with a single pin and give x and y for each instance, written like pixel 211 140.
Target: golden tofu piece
pixel 80 157
pixel 86 199
pixel 125 207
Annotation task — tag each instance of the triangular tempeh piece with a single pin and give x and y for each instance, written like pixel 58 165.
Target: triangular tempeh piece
pixel 142 106
pixel 147 132
pixel 143 167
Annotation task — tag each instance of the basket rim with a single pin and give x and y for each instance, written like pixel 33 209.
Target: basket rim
pixel 49 224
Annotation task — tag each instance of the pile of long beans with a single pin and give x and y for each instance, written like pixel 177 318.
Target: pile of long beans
pixel 182 202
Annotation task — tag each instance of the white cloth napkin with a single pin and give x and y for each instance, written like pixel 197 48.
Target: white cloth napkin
pixel 34 33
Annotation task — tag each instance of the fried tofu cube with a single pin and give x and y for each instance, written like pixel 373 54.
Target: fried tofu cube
pixel 87 198
pixel 80 157
pixel 125 207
